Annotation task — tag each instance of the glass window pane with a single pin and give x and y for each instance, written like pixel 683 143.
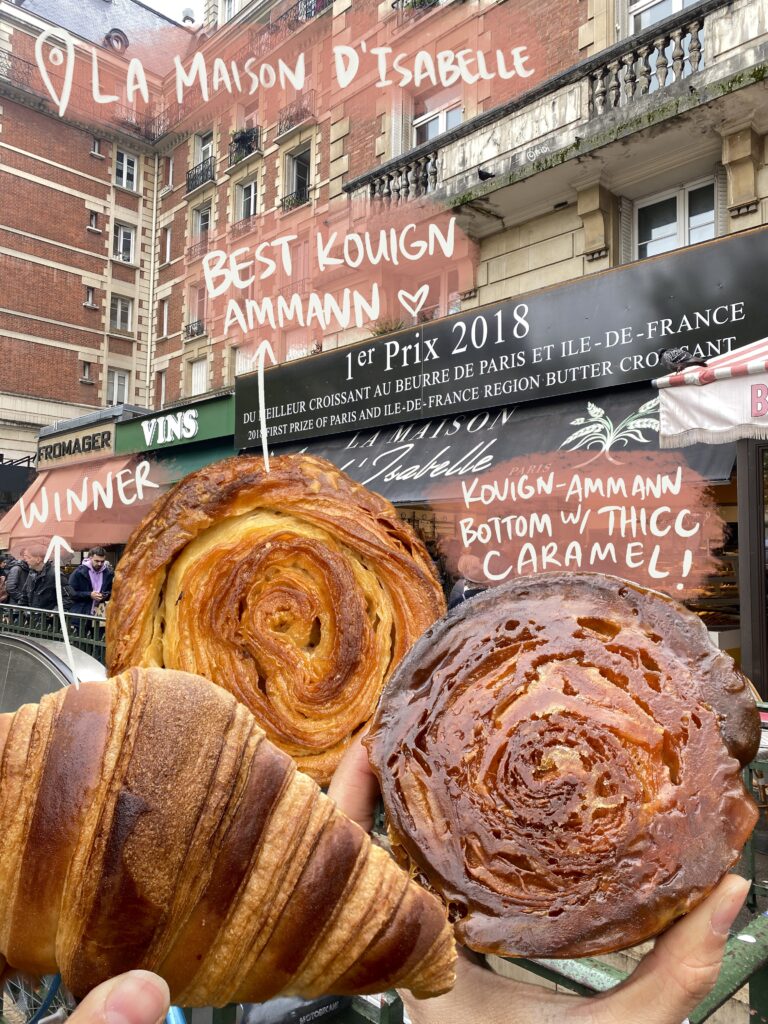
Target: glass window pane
pixel 652 14
pixel 701 214
pixel 453 117
pixel 657 228
pixel 428 130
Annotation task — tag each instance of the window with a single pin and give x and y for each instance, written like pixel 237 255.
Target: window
pixel 245 361
pixel 436 114
pixel 228 9
pixel 204 146
pixel 117 387
pixel 160 388
pixel 125 171
pixel 85 373
pixel 202 220
pixel 198 373
pixel 95 146
pixel 121 314
pixel 162 317
pixel 93 220
pixel 644 13
pixel 675 219
pixel 90 296
pixel 247 202
pixel 123 239
pixel 298 178
pixel 169 171
pixel 165 245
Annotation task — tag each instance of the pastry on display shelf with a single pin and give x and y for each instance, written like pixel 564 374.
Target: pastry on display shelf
pixel 560 760
pixel 298 590
pixel 147 822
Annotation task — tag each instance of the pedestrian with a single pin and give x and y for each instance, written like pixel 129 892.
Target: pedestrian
pixel 90 585
pixel 40 587
pixel 17 571
pixel 470 582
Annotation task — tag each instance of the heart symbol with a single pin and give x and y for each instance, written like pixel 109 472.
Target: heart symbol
pixel 412 303
pixel 57 58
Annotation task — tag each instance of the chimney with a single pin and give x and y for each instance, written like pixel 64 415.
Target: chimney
pixel 188 16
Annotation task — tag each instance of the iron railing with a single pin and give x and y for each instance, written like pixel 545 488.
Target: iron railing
pixel 205 171
pixel 86 632
pixel 198 248
pixel 297 198
pixel 408 9
pixel 194 329
pixel 243 226
pixel 302 109
pixel 244 144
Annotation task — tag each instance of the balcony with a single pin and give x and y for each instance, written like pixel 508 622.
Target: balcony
pixel 244 144
pixel 298 198
pixel 198 248
pixel 198 176
pixel 244 226
pixel 408 10
pixel 296 114
pixel 194 330
pixel 676 70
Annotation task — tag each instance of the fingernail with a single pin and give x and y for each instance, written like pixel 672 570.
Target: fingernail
pixel 139 997
pixel 727 909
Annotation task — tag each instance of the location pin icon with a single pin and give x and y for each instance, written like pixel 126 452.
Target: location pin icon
pixel 58 56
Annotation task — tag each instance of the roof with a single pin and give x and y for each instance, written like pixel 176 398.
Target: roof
pixel 742 362
pixel 93 19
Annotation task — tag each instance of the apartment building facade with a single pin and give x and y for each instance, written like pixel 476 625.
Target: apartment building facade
pixel 639 126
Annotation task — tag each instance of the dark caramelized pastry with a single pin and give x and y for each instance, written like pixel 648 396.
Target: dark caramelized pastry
pixel 297 590
pixel 561 761
pixel 146 822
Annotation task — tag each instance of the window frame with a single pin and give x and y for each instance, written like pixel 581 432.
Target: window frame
pixel 117 242
pixel 247 187
pixel 292 161
pixel 197 214
pixel 116 376
pixel 90 296
pixel 163 318
pixel 165 244
pixel 121 181
pixel 201 146
pixel 161 380
pixel 116 327
pixel 441 113
pixel 96 146
pixel 192 364
pixel 683 226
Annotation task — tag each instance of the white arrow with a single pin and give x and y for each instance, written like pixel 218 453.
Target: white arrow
pixel 264 349
pixel 57 543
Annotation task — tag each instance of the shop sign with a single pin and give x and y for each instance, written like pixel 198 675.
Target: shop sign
pixel 200 422
pixel 597 332
pixel 64 449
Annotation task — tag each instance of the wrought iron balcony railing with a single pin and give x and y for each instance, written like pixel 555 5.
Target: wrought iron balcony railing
pixel 296 113
pixel 408 9
pixel 298 198
pixel 243 226
pixel 198 248
pixel 205 171
pixel 194 330
pixel 244 144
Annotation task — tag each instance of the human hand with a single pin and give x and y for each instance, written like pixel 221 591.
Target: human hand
pixel 667 984
pixel 137 997
pixel 96 595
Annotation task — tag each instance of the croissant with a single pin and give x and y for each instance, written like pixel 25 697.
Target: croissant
pixel 147 822
pixel 560 759
pixel 298 590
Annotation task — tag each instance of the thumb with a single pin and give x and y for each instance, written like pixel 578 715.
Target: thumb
pixel 354 787
pixel 683 965
pixel 137 997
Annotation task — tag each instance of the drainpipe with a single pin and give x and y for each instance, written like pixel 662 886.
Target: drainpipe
pixel 152 276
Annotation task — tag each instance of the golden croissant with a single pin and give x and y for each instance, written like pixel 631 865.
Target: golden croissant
pixel 147 822
pixel 298 590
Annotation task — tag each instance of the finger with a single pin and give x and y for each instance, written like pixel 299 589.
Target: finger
pixel 354 787
pixel 134 998
pixel 683 965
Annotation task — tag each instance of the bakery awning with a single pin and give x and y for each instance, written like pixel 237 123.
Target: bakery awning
pixel 96 503
pixel 722 401
pixel 403 463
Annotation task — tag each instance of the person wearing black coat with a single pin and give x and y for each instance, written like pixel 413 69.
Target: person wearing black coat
pixel 85 578
pixel 16 575
pixel 40 588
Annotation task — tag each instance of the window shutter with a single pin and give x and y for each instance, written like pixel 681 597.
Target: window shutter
pixel 722 217
pixel 626 212
pixel 401 124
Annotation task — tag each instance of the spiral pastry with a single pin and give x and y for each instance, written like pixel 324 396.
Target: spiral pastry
pixel 297 590
pixel 561 761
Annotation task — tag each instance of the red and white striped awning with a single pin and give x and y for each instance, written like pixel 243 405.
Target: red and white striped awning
pixel 733 405
pixel 742 362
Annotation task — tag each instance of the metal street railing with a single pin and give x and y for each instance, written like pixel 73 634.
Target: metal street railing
pixel 86 632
